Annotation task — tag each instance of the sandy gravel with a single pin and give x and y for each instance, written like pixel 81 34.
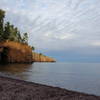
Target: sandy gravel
pixel 12 89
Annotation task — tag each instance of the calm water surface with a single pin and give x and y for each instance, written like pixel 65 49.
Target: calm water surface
pixel 83 77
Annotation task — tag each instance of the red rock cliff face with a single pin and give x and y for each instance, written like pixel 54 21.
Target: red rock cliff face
pixel 16 52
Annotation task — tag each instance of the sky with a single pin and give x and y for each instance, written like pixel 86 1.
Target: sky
pixel 67 30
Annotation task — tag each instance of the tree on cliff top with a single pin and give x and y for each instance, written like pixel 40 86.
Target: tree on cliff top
pixel 6 31
pixel 9 32
pixel 25 38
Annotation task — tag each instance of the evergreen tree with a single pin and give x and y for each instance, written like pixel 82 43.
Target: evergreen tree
pixel 2 15
pixel 33 48
pixel 6 33
pixel 13 33
pixel 25 38
pixel 19 37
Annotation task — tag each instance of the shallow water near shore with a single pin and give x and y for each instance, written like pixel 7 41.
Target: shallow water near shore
pixel 82 77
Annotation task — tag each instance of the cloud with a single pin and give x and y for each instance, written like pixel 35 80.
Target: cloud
pixel 96 43
pixel 57 25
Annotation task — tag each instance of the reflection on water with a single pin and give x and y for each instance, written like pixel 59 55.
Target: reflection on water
pixel 15 70
pixel 84 77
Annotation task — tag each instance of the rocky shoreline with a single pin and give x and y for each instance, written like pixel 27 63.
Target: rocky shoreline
pixel 13 89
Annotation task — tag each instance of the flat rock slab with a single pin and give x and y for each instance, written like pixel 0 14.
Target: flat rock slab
pixel 12 89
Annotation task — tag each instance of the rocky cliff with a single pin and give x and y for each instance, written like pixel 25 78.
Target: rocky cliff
pixel 14 52
pixel 41 58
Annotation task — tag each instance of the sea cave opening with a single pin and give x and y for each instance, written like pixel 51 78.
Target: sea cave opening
pixel 3 55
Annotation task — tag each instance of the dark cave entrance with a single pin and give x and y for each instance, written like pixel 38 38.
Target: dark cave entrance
pixel 3 55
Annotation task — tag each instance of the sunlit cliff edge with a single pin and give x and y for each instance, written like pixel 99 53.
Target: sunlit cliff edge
pixel 15 52
pixel 41 58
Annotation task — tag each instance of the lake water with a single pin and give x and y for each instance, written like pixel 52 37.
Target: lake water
pixel 83 77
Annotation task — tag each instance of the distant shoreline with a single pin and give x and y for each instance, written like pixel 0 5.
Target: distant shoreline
pixel 14 89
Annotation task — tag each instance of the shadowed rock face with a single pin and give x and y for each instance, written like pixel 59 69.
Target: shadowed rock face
pixel 3 55
pixel 14 52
